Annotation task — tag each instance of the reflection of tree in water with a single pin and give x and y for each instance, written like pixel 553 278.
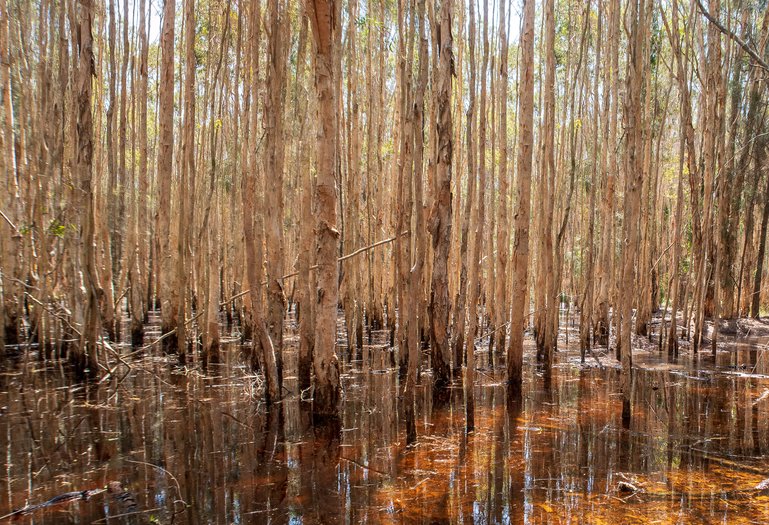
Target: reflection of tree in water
pixel 697 437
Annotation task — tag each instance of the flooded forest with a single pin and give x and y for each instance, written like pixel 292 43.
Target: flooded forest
pixel 384 261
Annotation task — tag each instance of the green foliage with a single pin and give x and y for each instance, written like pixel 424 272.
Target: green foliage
pixel 57 229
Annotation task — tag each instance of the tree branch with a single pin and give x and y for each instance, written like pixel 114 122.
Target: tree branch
pixel 749 50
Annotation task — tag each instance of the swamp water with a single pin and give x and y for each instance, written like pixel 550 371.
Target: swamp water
pixel 195 445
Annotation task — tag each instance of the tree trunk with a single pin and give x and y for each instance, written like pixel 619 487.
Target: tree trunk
pixel 166 284
pixel 633 183
pixel 262 343
pixel 544 299
pixel 10 237
pixel 440 216
pixel 503 232
pixel 85 356
pixel 324 15
pixel 755 303
pixel 523 186
pixel 273 172
pixel 415 283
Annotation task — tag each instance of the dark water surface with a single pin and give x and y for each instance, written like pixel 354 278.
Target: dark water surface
pixel 195 445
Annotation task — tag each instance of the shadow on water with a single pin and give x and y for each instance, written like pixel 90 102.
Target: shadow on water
pixel 196 446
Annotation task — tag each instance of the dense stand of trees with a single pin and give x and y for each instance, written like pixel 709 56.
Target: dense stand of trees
pixel 444 171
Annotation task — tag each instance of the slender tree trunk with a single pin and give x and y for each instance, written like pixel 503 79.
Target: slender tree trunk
pixel 586 311
pixel 755 304
pixel 460 314
pixel 138 270
pixel 403 194
pixel 468 220
pixel 633 183
pixel 545 299
pixel 306 279
pixel 273 172
pixel 166 284
pixel 479 213
pixel 85 357
pixel 187 174
pixel 440 216
pixel 324 15
pixel 10 237
pixel 415 283
pixel 523 186
pixel 707 261
pixel 263 348
pixel 503 232
pixel 675 286
pixel 749 151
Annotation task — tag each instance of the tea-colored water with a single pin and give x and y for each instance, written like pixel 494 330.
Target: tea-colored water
pixel 196 445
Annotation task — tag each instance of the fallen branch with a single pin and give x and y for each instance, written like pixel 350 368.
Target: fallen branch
pixel 61 499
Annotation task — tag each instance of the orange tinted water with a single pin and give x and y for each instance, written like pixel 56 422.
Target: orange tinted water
pixel 197 446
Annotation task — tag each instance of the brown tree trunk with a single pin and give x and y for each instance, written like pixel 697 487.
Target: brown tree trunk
pixel 523 186
pixel 10 237
pixel 460 315
pixel 273 172
pixel 755 304
pixel 440 216
pixel 479 215
pixel 262 343
pixel 675 286
pixel 415 283
pixel 633 183
pixel 306 279
pixel 544 299
pixel 138 271
pixel 85 356
pixel 166 284
pixel 503 232
pixel 324 15
pixel 586 310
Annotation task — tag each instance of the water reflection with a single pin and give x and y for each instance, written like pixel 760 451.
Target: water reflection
pixel 196 446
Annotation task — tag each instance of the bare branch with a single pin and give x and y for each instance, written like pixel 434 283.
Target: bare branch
pixel 749 50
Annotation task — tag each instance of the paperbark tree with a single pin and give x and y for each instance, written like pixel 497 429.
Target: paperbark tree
pixel 187 175
pixel 273 172
pixel 324 15
pixel 263 349
pixel 306 279
pixel 544 301
pixel 84 356
pixel 440 216
pixel 474 280
pixel 633 164
pixel 416 275
pixel 468 220
pixel 10 237
pixel 138 270
pixel 586 307
pixel 523 187
pixel 503 232
pixel 166 285
pixel 755 304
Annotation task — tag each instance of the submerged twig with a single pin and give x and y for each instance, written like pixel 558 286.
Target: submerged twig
pixel 366 467
pixel 176 481
pixel 126 514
